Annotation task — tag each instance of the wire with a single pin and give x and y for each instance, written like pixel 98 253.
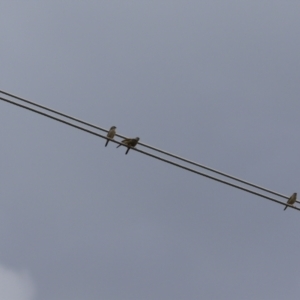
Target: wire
pixel 150 154
pixel 150 147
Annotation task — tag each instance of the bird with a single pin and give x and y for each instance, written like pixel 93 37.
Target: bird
pixel 111 133
pixel 291 200
pixel 130 143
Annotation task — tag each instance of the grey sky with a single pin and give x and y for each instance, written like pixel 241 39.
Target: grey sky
pixel 214 81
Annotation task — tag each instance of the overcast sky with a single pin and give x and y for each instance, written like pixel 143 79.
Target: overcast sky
pixel 216 82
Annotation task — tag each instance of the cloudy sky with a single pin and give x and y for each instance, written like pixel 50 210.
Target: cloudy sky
pixel 216 82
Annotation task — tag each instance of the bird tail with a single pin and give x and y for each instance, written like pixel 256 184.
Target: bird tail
pixel 285 208
pixel 127 150
pixel 106 142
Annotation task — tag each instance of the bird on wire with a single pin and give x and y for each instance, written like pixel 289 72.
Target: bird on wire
pixel 111 133
pixel 130 143
pixel 291 200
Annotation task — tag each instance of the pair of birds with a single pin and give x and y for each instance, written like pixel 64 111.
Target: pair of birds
pixel 130 143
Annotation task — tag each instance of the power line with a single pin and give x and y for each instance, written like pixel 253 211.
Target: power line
pixel 148 146
pixel 150 154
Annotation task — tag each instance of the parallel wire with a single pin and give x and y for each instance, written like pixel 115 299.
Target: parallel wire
pixel 150 154
pixel 148 146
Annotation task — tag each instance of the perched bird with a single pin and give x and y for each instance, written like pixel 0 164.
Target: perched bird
pixel 111 133
pixel 291 200
pixel 130 143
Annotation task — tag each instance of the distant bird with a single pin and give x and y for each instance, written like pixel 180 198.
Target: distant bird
pixel 111 133
pixel 291 200
pixel 130 143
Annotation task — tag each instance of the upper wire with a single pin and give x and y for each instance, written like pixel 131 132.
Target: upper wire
pixel 149 146
pixel 150 154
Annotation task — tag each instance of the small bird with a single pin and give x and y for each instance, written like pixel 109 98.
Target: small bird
pixel 111 133
pixel 130 143
pixel 291 200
